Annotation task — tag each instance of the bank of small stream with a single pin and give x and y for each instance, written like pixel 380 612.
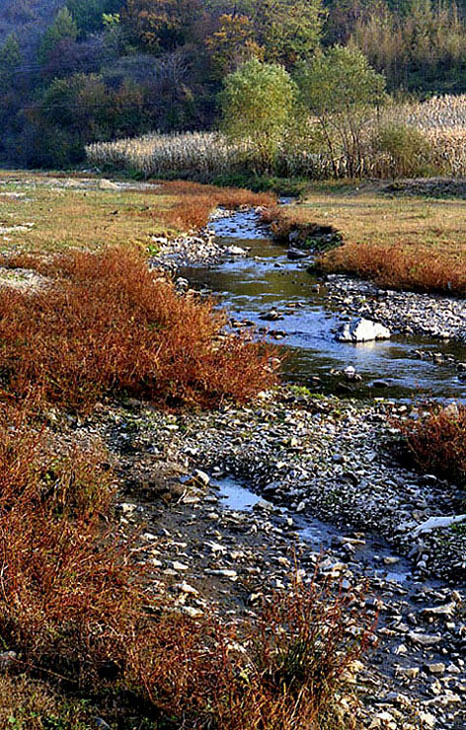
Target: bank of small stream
pixel 319 473
pixel 269 291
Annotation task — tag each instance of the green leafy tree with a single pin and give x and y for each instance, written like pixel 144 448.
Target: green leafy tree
pixel 89 14
pixel 289 30
pixel 341 91
pixel 257 103
pixel 10 59
pixel 64 27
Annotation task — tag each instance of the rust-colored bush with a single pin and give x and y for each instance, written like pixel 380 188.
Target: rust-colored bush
pixel 107 325
pixel 438 442
pixel 195 202
pixel 401 266
pixel 288 669
pixel 67 593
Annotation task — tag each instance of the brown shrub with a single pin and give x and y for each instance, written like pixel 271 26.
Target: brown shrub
pixel 66 590
pixel 287 669
pixel 438 442
pixel 401 266
pixel 108 324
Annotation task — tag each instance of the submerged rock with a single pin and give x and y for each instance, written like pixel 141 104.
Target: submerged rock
pixel 363 330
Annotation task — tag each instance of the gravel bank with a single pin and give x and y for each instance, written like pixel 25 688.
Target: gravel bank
pixel 305 456
pixel 325 458
pixel 403 312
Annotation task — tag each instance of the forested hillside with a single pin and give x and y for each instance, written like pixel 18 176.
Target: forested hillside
pixel 79 71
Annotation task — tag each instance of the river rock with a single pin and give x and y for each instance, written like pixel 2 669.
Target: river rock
pixel 108 185
pixel 294 254
pixel 236 251
pixel 363 330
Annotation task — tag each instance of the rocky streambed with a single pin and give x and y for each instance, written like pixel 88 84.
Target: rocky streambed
pixel 231 504
pixel 317 474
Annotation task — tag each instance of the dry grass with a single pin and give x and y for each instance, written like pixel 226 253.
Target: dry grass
pixel 400 242
pixel 108 325
pixel 437 442
pixel 201 154
pixel 288 669
pixel 75 213
pixel 194 203
pixel 29 704
pixel 79 614
pixel 66 590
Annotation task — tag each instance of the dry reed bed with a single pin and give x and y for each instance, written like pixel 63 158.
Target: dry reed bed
pixel 206 155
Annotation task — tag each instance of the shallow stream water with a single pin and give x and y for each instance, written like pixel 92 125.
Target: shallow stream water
pixel 319 535
pixel 250 286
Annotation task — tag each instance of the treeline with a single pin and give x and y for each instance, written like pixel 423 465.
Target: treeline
pixel 82 71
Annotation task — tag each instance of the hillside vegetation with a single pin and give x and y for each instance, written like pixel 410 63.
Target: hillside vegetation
pixel 426 137
pixel 74 72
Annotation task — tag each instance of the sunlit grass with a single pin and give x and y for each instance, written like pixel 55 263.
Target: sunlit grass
pixel 404 241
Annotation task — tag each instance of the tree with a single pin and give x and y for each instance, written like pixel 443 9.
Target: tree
pixel 88 14
pixel 159 25
pixel 257 103
pixel 64 27
pixel 10 58
pixel 289 30
pixel 232 44
pixel 341 90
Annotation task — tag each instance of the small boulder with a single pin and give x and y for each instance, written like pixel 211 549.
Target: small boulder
pixel 108 185
pixel 363 330
pixel 295 254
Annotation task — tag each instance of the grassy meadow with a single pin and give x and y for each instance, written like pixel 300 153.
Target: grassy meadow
pixel 50 214
pixel 398 240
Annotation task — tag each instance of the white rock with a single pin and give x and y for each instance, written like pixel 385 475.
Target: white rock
pixel 424 639
pixel 236 251
pixel 179 566
pixel 433 523
pixel 201 477
pixel 363 330
pixel 108 185
pixel 186 588
pixel 383 720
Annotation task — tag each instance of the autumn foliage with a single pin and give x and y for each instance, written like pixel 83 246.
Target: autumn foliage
pixel 401 266
pixel 438 442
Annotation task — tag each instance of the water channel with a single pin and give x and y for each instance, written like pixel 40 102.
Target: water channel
pixel 250 286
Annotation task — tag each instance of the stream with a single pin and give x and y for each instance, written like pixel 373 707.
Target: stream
pixel 418 636
pixel 249 287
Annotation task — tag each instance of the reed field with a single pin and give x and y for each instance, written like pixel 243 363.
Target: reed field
pixel 206 155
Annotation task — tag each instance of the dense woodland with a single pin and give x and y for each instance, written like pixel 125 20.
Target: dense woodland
pixel 79 71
